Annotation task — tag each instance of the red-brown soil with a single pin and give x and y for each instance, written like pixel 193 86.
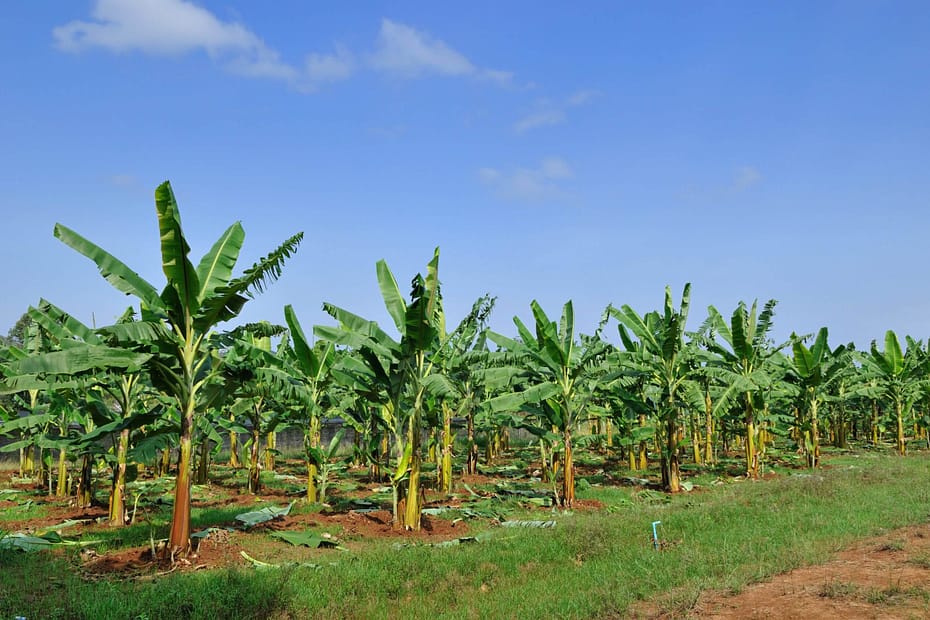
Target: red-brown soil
pixel 881 578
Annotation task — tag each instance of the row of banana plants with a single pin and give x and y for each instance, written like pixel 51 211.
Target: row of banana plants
pixel 170 380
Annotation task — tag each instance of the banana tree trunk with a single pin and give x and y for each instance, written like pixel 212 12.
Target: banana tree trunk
pixel 85 489
pixel 234 446
pixel 179 539
pixel 271 444
pixel 813 459
pixel 568 472
pixel 313 441
pixel 643 447
pixel 413 500
pixel 255 481
pixel 695 439
pixel 609 436
pixel 899 414
pixel 164 463
pixel 471 459
pixel 433 455
pixel 842 425
pixel 445 485
pixel 118 490
pixel 61 489
pixel 546 474
pixel 708 429
pixel 752 456
pixel 671 472
pixel 381 456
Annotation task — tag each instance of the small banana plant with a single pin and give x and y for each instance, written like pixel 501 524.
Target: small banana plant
pixel 325 461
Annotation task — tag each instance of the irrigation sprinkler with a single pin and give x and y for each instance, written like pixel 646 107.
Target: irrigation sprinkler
pixel 655 535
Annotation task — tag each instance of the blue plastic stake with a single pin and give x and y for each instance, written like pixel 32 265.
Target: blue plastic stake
pixel 655 535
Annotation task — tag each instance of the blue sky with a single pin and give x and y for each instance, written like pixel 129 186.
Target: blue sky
pixel 758 150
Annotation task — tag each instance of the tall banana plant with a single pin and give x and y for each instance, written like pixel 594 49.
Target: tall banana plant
pixel 312 368
pixel 898 380
pixel 397 374
pixel 744 364
pixel 457 358
pixel 178 320
pixel 661 357
pixel 77 361
pixel 252 386
pixel 125 387
pixel 561 378
pixel 816 369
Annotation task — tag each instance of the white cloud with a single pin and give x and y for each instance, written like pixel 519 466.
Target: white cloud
pixel 409 53
pixel 548 112
pixel 156 27
pixel 529 184
pixel 392 132
pixel 555 168
pixel 746 177
pixel 179 27
pixel 123 180
pixel 503 78
pixel 541 118
pixel 581 97
pixel 330 67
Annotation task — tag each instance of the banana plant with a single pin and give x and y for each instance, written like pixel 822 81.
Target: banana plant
pixel 816 370
pixel 561 376
pixel 397 374
pixel 324 464
pixel 744 365
pixel 179 320
pixel 456 358
pixel 312 367
pixel 77 363
pixel 898 379
pixel 252 385
pixel 126 389
pixel 660 356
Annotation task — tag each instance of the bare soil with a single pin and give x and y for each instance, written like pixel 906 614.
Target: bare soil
pixel 882 578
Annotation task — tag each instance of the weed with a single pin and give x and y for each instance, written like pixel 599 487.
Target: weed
pixel 838 589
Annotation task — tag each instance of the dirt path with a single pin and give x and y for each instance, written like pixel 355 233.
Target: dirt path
pixel 879 578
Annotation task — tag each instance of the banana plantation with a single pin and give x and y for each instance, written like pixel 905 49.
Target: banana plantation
pixel 428 407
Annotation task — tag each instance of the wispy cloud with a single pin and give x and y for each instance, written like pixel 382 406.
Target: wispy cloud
pixel 123 180
pixel 179 27
pixel 746 177
pixel 391 132
pixel 547 112
pixel 408 53
pixel 529 184
pixel 542 118
pixel 738 180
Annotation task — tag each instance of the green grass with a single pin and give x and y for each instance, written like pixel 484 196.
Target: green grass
pixel 24 509
pixel 593 564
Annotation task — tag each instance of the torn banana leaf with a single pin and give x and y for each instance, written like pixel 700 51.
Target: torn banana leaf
pixel 258 564
pixel 25 542
pixel 306 539
pixel 256 517
pixel 543 524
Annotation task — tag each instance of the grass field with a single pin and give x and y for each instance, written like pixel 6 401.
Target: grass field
pixel 593 563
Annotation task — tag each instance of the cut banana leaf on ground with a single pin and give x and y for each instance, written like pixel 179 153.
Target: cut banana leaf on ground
pixel 258 564
pixel 26 542
pixel 256 517
pixel 308 539
pixel 542 524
